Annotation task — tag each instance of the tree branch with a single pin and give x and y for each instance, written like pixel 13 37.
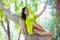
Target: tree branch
pixel 13 16
pixel 19 34
pixel 3 26
pixel 9 14
pixel 8 28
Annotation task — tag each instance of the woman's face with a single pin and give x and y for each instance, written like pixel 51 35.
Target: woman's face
pixel 26 12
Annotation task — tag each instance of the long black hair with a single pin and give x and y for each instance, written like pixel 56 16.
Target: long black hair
pixel 23 15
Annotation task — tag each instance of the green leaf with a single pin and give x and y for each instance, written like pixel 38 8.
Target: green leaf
pixel 7 3
pixel 36 6
pixel 15 1
pixel 2 16
pixel 33 1
pixel 22 4
pixel 16 8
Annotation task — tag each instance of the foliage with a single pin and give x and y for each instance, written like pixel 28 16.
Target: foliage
pixel 2 16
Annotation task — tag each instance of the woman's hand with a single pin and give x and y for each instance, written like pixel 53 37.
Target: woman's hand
pixel 40 12
pixel 44 7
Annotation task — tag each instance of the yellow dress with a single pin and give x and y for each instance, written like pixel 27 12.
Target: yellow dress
pixel 29 21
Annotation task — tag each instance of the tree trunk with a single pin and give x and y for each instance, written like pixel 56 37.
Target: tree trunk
pixel 57 3
pixel 38 37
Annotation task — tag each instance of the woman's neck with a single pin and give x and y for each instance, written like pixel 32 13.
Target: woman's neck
pixel 27 15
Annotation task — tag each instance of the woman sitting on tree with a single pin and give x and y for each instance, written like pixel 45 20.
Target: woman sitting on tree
pixel 30 25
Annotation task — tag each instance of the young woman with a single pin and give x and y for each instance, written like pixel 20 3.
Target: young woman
pixel 30 25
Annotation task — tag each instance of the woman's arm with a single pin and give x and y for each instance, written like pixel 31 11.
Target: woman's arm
pixel 24 25
pixel 40 12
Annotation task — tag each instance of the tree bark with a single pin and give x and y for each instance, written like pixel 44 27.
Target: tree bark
pixel 3 26
pixel 19 34
pixel 8 29
pixel 57 3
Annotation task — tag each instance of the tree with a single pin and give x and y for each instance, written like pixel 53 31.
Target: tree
pixel 17 18
pixel 57 3
pixel 8 15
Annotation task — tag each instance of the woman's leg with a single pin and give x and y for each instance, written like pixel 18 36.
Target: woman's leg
pixel 38 26
pixel 42 33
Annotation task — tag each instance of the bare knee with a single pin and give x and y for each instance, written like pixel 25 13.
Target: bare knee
pixel 38 26
pixel 34 24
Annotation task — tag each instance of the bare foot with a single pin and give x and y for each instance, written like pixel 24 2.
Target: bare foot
pixel 48 34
